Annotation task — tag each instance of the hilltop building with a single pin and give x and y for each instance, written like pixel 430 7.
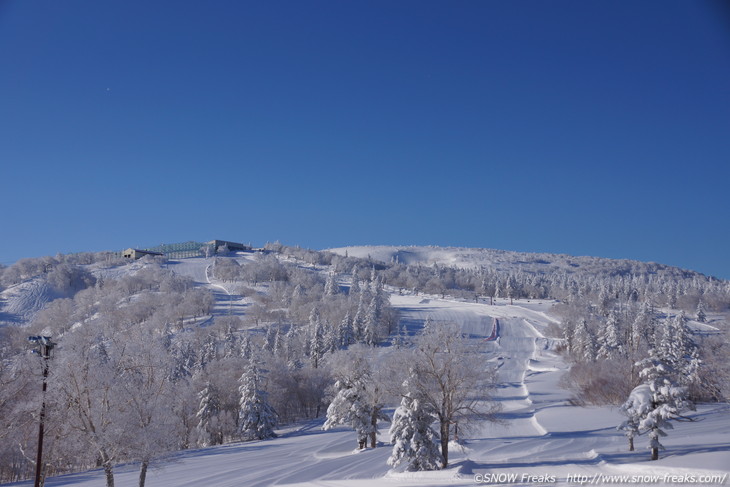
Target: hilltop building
pixel 185 250
pixel 235 246
pixel 138 254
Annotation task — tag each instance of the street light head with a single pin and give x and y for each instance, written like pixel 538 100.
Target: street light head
pixel 45 345
pixel 42 340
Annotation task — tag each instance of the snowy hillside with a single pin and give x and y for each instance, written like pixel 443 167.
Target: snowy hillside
pixel 503 260
pixel 542 440
pixel 562 333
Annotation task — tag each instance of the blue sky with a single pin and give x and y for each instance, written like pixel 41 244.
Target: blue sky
pixel 587 128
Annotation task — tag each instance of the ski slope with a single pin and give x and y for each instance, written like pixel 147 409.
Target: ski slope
pixel 541 440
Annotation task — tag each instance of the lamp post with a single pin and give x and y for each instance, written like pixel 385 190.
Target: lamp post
pixel 45 345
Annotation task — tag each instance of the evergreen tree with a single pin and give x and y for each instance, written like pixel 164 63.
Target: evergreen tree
pixel 277 342
pixel 634 409
pixel 358 400
pixel 663 401
pixel 358 322
pixel 246 351
pixel 345 331
pixel 350 406
pixel 269 339
pixel 701 315
pixel 610 343
pixel 208 352
pixel 411 433
pixel 210 407
pixel 316 347
pixel 229 343
pixel 569 336
pixel 256 418
pixel 372 322
pixel 400 338
pixel 331 288
pixel 604 302
pixel 585 343
pixel 643 329
pixel 679 351
pixel 355 286
pixel 331 339
pixel 428 325
pixel 290 343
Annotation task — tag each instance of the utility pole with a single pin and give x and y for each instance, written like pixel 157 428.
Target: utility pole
pixel 45 345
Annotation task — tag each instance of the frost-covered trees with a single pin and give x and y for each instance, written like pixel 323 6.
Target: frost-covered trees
pixel 372 323
pixel 256 418
pixel 88 392
pixel 317 346
pixel 610 324
pixel 331 287
pixel 150 429
pixel 610 342
pixel 584 342
pixel 350 407
pixel 678 350
pixel 412 435
pixel 448 375
pixel 358 396
pixel 643 329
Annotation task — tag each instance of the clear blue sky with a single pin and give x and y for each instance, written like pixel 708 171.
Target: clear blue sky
pixel 588 128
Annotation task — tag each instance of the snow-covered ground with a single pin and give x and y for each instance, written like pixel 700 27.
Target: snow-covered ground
pixel 22 301
pixel 543 440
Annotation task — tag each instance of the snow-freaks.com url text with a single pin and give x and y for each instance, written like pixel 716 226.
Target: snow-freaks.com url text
pixel 600 479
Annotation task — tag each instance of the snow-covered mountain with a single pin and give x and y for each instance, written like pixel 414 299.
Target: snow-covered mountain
pixel 474 258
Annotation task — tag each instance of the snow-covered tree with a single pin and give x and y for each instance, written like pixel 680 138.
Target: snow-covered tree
pixel 358 400
pixel 610 344
pixel 401 336
pixel 663 401
pixel 584 342
pixel 208 352
pixel 428 324
pixel 331 288
pixel 411 433
pixel 355 286
pixel 345 331
pixel 256 418
pixel 246 350
pixel 208 411
pixel 372 322
pixel 701 314
pixel 350 407
pixel 317 346
pixel 358 322
pixel 635 408
pixel 448 376
pixel 230 344
pixel 643 329
pixel 278 342
pixel 88 389
pixel 270 338
pixel 679 351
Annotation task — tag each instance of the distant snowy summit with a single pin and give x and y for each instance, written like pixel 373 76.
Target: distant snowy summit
pixel 472 258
